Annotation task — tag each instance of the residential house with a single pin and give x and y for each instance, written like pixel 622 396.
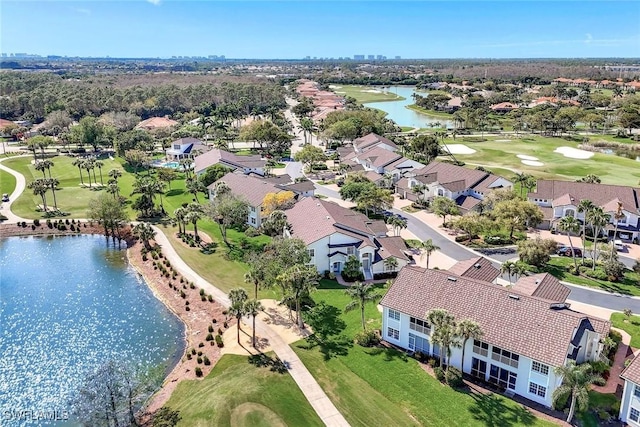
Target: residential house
pixel 558 199
pixel 154 123
pixel 467 187
pixel 250 189
pixel 524 337
pixel 333 233
pixel 478 268
pixel 630 406
pixel 378 154
pixel 185 148
pixel 246 164
pixel 373 140
pixel 503 107
pixel 544 286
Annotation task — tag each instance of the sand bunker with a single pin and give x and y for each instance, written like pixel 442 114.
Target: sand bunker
pixel 503 140
pixel 574 153
pixel 459 149
pixel 532 163
pixel 371 91
pixel 525 157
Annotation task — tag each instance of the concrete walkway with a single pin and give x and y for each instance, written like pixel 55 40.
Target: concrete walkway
pixel 5 208
pixel 325 409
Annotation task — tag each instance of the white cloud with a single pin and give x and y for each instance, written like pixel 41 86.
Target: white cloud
pixel 588 38
pixel 154 2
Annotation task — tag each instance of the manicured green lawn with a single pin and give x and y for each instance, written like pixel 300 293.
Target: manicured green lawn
pixel 632 326
pixel 237 393
pixel 7 182
pixel 630 285
pixel 384 387
pixel 432 113
pixel 364 94
pixel 494 154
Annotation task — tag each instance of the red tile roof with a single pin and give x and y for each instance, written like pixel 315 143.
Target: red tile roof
pixel 632 372
pixel 517 322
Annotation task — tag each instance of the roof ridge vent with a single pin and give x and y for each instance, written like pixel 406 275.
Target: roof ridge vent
pixel 452 279
pixel 477 265
pixel 515 297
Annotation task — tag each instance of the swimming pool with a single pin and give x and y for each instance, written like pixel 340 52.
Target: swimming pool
pixel 171 165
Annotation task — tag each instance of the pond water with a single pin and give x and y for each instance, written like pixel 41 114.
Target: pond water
pixel 397 111
pixel 69 304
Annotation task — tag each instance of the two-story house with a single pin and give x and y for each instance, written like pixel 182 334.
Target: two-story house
pixel 467 187
pixel 185 148
pixel 524 337
pixel 245 164
pixel 333 233
pixel 558 199
pixel 250 189
pixel 630 406
pixel 372 140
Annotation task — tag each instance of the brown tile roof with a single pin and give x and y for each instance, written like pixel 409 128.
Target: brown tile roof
pixel 373 176
pixel 544 286
pixel 379 157
pixel 247 187
pixel 467 202
pixel 526 325
pixel 216 156
pixel 599 194
pixel 478 268
pixel 449 173
pixel 300 187
pixel 392 246
pixel 372 139
pixel 632 372
pixel 4 122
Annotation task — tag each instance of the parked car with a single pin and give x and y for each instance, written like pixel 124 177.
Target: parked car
pixel 5 197
pixel 618 245
pixel 566 251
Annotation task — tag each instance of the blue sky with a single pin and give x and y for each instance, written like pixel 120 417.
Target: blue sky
pixel 295 29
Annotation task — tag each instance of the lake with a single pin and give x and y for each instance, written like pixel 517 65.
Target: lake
pixel 397 111
pixel 68 304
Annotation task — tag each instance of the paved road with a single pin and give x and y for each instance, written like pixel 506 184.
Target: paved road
pixel 5 208
pixel 580 294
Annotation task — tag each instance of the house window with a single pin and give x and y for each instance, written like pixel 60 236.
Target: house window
pixel 440 192
pixel 393 314
pixel 478 368
pixel 636 391
pixel 634 414
pixel 312 253
pixel 480 347
pixel 252 208
pixel 176 147
pixel 417 343
pixel 393 333
pixel 253 221
pixel 502 377
pixel 540 368
pixel 418 325
pixel 537 390
pixel 504 356
pixel 351 250
pixel 570 212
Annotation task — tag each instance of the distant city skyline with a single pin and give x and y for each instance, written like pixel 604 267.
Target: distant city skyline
pixel 321 29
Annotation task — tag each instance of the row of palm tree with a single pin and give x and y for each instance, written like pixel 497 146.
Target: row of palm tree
pixel 40 188
pixel 90 165
pixel 511 268
pixel 447 333
pixel 191 213
pixel 241 306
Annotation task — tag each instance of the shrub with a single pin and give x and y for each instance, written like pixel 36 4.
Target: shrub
pixel 203 298
pixel 251 232
pixel 201 292
pixel 367 339
pixel 211 327
pixel 33 227
pixel 192 286
pixel 219 341
pixel 36 222
pixel 219 331
pixel 182 294
pixel 453 376
pixel 193 351
pixel 615 336
pixel 144 258
pixel 433 362
pixel 189 356
pixel 599 367
pixel 439 372
pixel 199 353
pixel 209 298
pixel 209 337
pixel 206 360
pixel 214 321
pixel 595 274
pixel 225 324
pixel 198 371
pixel 199 359
pixel 187 308
pixel 224 312
pixel 201 345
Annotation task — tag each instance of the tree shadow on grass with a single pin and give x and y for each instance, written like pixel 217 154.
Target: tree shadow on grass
pixel 491 410
pixel 327 325
pixel 389 354
pixel 274 364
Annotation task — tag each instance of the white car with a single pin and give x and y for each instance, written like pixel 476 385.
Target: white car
pixel 618 245
pixel 5 197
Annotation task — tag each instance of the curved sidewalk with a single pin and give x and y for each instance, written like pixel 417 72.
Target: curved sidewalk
pixel 325 409
pixel 5 207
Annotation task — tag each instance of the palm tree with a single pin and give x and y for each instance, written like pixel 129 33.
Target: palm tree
pixel 468 329
pixel 521 178
pixel 87 165
pixel 194 213
pixel 397 223
pixel 48 164
pixel 40 166
pixel 144 232
pixel 584 207
pixel 508 267
pixel 253 308
pixel 180 215
pixel 419 190
pixel 427 248
pixel 53 183
pixel 361 294
pixel 598 219
pixel 570 225
pixel 115 174
pixel 79 163
pixel 99 165
pixel 299 281
pixel 617 216
pixel 519 269
pixel 576 383
pixel 237 297
pixel 112 188
pixel 40 188
pixel 444 329
pixel 194 186
pixel 391 264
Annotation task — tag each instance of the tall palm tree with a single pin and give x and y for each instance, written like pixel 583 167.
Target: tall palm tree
pixel 361 294
pixel 508 267
pixel 521 178
pixel 87 165
pixel 444 330
pixel 584 207
pixel 40 188
pixel 427 248
pixel 193 215
pixel 468 329
pixel 253 308
pixel 576 383
pixel 391 264
pixel 570 225
pixel 238 297
pixel 99 165
pixel 180 215
pixel 419 190
pixel 194 186
pixel 48 164
pixel 53 184
pixel 144 232
pixel 397 224
pixel 112 188
pixel 298 281
pixel 617 216
pixel 78 163
pixel 115 174
pixel 598 219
